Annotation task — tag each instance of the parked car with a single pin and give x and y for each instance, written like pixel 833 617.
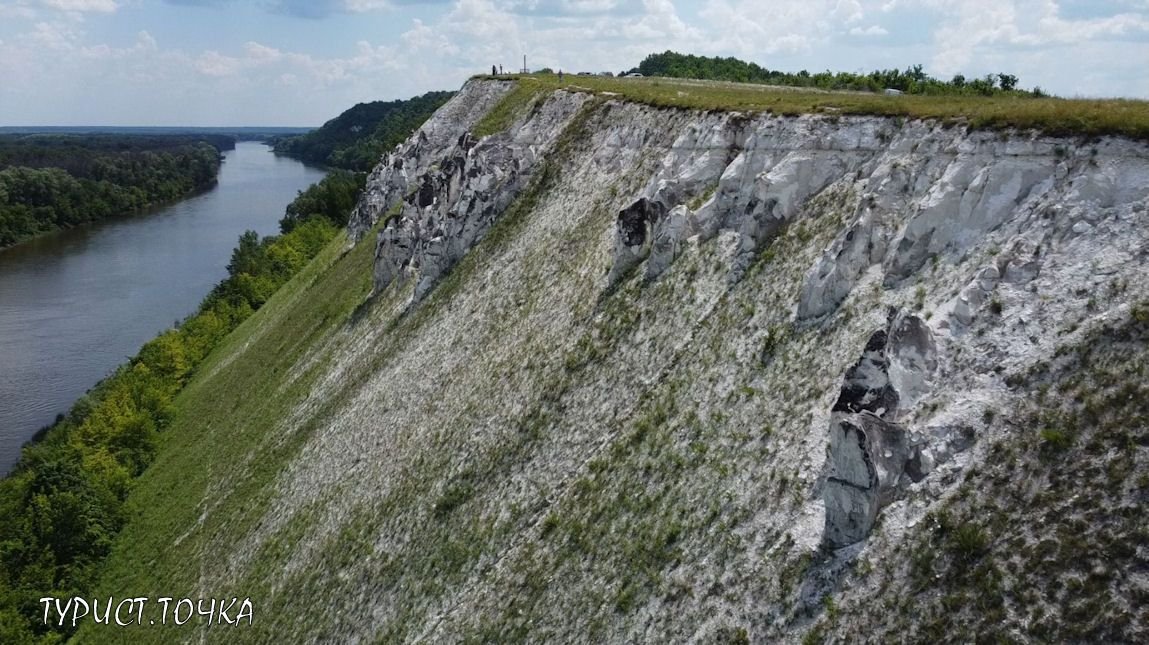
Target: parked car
pixel 634 75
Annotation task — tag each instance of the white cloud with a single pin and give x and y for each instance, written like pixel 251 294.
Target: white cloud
pixel 17 10
pixel 52 36
pixel 212 63
pixel 970 29
pixel 660 21
pixel 49 61
pixel 362 6
pixel 421 36
pixel 95 6
pixel 748 28
pixel 144 44
pixel 849 11
pixel 574 8
pixel 872 30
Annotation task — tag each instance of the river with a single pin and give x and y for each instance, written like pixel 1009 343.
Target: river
pixel 77 303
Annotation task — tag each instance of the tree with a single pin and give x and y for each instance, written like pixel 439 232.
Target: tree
pixel 912 79
pixel 49 182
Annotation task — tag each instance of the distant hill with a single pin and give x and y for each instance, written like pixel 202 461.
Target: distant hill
pixel 341 142
pixel 238 133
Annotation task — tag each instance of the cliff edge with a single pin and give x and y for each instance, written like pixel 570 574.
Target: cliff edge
pixel 620 373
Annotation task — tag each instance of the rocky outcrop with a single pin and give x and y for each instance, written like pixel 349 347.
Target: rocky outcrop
pixel 860 246
pixel 910 196
pixel 400 170
pixel 868 456
pixel 949 201
pixel 916 193
pixel 454 202
pixel 736 174
pixel 869 451
pixel 974 195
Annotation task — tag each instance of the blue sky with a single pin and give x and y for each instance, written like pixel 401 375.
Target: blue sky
pixel 301 62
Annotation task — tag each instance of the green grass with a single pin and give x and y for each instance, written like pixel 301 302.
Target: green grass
pixel 512 106
pixel 217 465
pixel 1055 116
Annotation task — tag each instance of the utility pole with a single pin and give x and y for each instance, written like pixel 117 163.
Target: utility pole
pixel 525 70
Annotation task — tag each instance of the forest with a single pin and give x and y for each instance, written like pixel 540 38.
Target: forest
pixel 65 500
pixel 57 181
pixel 912 80
pixel 356 139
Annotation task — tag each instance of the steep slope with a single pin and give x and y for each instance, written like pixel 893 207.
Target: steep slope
pixel 634 374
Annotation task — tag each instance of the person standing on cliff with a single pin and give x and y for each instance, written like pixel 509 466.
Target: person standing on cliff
pixel 560 76
pixel 494 71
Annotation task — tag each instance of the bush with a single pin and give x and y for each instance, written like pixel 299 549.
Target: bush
pixel 1056 439
pixel 968 543
pixel 912 80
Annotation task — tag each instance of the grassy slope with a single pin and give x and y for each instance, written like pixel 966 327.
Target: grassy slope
pixel 216 452
pixel 1091 117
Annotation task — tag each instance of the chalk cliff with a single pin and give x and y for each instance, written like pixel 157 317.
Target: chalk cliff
pixel 630 374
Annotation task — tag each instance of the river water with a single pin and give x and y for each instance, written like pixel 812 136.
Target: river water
pixel 77 303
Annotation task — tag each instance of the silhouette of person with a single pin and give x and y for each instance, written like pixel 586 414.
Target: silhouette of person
pixel 494 71
pixel 560 76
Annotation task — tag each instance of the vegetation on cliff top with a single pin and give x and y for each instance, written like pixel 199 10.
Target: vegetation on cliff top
pixel 912 80
pixel 1053 116
pixel 357 138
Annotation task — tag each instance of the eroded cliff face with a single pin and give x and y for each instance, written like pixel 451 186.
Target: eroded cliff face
pixel 397 173
pixel 637 374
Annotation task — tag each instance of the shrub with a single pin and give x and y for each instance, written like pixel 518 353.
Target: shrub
pixel 968 543
pixel 1056 439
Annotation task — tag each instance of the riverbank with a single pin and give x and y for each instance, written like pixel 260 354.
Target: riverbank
pixel 50 182
pixel 66 496
pixel 77 303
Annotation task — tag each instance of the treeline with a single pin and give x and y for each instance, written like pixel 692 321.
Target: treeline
pixel 911 80
pixel 50 182
pixel 63 504
pixel 356 139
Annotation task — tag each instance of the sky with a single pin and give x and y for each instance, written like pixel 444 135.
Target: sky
pixel 302 62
